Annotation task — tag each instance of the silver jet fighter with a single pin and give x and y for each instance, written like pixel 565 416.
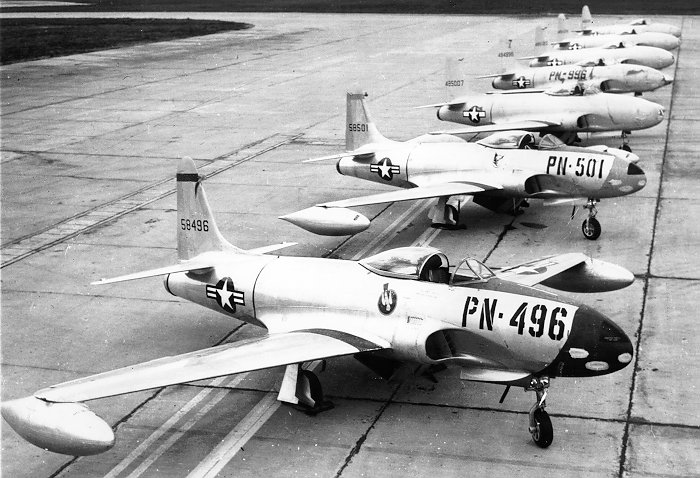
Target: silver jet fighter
pixel 617 78
pixel 402 305
pixel 635 26
pixel 590 39
pixel 564 113
pixel 499 172
pixel 609 54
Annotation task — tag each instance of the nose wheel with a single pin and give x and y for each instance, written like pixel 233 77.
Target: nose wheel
pixel 540 424
pixel 626 142
pixel 591 227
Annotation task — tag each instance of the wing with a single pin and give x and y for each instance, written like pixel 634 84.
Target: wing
pixel 421 192
pixel 243 356
pixel 572 272
pixel 533 272
pixel 527 125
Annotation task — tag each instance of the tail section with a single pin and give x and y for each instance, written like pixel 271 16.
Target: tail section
pixel 455 84
pixel 360 128
pixel 196 228
pixel 586 18
pixel 506 56
pixel 562 30
pixel 540 40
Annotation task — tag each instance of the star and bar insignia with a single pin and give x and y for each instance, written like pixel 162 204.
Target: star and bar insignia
pixel 475 113
pixel 385 169
pixel 522 82
pixel 555 62
pixel 226 294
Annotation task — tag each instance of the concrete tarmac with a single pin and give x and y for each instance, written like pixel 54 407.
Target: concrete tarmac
pixel 89 148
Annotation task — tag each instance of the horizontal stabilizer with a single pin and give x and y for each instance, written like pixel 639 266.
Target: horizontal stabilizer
pixel 530 125
pixel 368 156
pixel 497 75
pixel 452 103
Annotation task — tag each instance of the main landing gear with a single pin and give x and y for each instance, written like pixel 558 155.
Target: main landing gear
pixel 302 389
pixel 591 227
pixel 540 423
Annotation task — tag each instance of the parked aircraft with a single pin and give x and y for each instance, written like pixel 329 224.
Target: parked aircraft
pixel 617 78
pixel 638 26
pixel 401 305
pixel 564 112
pixel 590 39
pixel 615 52
pixel 498 172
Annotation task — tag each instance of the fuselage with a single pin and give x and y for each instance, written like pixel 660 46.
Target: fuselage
pixel 525 173
pixel 514 330
pixel 638 27
pixel 612 79
pixel 567 113
pixel 665 41
pixel 638 55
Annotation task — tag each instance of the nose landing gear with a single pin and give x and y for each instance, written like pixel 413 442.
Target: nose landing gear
pixel 591 227
pixel 540 424
pixel 626 142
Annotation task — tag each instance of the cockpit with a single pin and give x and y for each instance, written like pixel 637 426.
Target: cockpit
pixel 426 264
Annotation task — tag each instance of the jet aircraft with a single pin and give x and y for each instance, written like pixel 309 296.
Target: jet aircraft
pixel 401 305
pixel 617 78
pixel 564 112
pixel 491 172
pixel 637 26
pixel 590 39
pixel 609 54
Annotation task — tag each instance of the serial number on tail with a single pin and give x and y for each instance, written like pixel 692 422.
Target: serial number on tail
pixel 199 225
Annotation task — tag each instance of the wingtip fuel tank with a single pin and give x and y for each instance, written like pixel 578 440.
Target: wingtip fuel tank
pixel 68 428
pixel 590 276
pixel 328 221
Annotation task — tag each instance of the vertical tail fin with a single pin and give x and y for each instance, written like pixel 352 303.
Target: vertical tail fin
pixel 196 228
pixel 360 128
pixel 586 18
pixel 505 56
pixel 540 40
pixel 562 30
pixel 455 84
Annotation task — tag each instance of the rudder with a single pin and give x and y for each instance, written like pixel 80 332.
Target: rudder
pixel 586 18
pixel 359 128
pixel 196 229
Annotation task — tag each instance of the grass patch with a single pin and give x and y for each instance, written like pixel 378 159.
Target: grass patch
pixel 23 39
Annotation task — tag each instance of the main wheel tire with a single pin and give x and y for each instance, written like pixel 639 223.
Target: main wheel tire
pixel 315 390
pixel 591 229
pixel 543 433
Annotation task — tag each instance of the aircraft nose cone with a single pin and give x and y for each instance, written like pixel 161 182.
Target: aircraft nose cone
pixel 668 80
pixel 635 178
pixel 596 346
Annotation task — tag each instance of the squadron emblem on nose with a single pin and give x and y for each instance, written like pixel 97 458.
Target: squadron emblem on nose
pixel 387 300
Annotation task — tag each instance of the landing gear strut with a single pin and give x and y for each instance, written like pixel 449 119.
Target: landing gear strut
pixel 626 142
pixel 591 227
pixel 302 389
pixel 540 424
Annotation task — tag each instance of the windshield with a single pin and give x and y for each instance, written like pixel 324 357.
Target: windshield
pixel 470 270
